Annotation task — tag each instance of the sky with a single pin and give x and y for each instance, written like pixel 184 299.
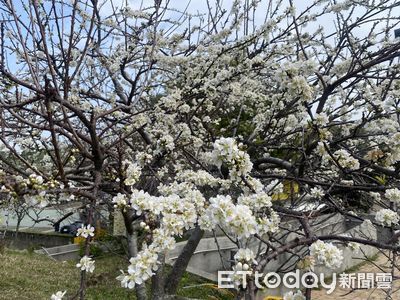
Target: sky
pixel 200 6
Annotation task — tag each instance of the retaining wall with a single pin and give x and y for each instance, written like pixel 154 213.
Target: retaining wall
pixel 211 256
pixel 25 239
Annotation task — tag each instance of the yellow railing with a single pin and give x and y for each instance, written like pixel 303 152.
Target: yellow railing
pixel 273 298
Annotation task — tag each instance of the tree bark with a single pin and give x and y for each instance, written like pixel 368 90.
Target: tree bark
pixel 250 293
pixel 158 280
pixel 180 265
pixel 133 251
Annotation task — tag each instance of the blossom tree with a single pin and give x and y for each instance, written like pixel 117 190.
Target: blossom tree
pixel 188 123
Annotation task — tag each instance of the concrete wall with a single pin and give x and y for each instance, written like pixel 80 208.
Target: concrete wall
pixel 350 258
pixel 207 260
pixel 65 252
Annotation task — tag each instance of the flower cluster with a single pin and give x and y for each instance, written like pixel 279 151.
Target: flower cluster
pixel 326 254
pixel 393 195
pixel 299 86
pixel 245 256
pixel 33 190
pixel 162 240
pixel 256 201
pixel 269 224
pixel 35 179
pixel 199 178
pixel 178 213
pixel 237 219
pixel 387 217
pixel 58 296
pixel 317 193
pixel 141 268
pixel 345 160
pixel 374 155
pixel 227 151
pixel 38 199
pixel 85 231
pixel 133 172
pixel 177 208
pixel 321 119
pixel 37 194
pixel 143 265
pixel 241 221
pixel 141 201
pixel 86 264
pixel 120 201
pixel 294 296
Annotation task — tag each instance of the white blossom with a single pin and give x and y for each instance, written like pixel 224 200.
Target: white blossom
pixel 35 179
pixel 227 151
pixel 120 200
pixel 256 201
pixel 387 217
pixel 58 296
pixel 141 201
pixel 321 119
pixel 237 219
pixel 269 224
pixel 326 254
pixel 39 199
pixel 133 172
pixel 317 192
pixel 245 255
pixel 86 264
pixel 85 231
pixel 141 268
pixel 294 296
pixel 345 160
pixel 393 195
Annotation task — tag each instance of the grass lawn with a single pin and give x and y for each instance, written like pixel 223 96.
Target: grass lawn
pixel 29 276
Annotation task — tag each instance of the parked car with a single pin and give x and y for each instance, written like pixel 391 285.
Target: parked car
pixel 71 228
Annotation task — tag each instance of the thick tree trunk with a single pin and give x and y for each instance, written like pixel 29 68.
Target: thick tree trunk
pixel 158 280
pixel 174 277
pixel 133 251
pixel 251 291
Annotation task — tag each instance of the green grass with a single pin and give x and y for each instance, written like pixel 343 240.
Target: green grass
pixel 30 276
pixel 193 286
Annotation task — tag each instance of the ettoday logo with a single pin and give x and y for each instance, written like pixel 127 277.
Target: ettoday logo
pixel 296 280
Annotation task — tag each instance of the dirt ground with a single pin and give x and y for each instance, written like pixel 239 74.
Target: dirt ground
pixel 380 265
